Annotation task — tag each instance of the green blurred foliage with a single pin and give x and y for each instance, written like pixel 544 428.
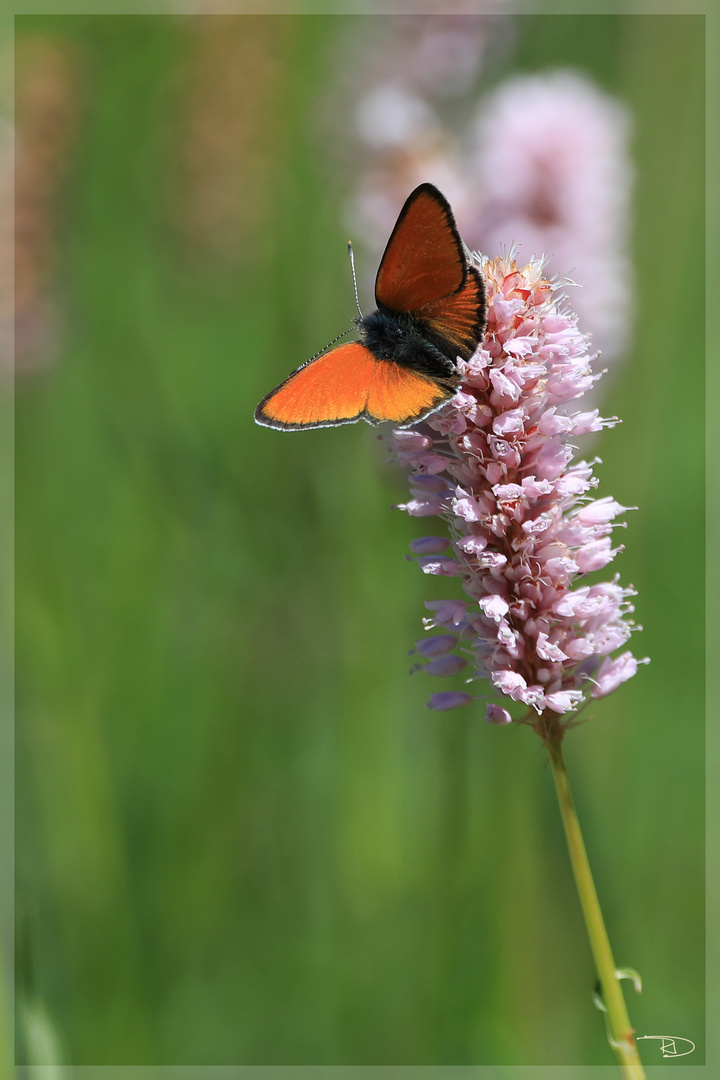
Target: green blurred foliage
pixel 241 836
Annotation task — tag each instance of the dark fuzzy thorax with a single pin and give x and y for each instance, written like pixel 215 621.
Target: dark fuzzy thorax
pixel 400 337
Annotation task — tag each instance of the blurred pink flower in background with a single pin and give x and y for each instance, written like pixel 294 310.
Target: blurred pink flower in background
pixel 553 174
pixel 418 72
pixel 437 55
pixel 497 465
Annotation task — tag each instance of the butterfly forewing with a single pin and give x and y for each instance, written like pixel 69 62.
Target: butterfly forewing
pixel 330 390
pixel 424 259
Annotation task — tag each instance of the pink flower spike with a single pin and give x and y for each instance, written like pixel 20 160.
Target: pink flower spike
pixel 499 468
pixel 448 699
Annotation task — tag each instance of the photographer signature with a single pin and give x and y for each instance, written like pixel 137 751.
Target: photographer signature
pixel 668 1044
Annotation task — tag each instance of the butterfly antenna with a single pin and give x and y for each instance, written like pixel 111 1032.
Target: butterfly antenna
pixel 349 329
pixel 352 267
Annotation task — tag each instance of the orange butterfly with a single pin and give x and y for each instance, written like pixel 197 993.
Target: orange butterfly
pixel 430 310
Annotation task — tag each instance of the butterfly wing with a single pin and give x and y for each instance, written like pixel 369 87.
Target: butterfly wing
pixel 424 258
pixel 329 390
pixel 459 319
pixel 347 384
pixel 403 396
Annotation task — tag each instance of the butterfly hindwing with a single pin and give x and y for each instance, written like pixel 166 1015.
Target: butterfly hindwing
pixel 458 319
pixel 403 396
pixel 424 259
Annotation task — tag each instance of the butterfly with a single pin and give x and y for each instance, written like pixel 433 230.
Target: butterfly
pixel 430 311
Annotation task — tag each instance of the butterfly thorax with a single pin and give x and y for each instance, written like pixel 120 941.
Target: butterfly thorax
pixel 399 337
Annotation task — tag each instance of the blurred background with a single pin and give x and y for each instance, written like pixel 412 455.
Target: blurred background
pixel 241 837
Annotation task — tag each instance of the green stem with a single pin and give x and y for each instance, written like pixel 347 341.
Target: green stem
pixel 620 1033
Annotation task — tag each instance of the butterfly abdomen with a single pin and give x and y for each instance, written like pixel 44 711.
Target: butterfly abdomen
pixel 399 337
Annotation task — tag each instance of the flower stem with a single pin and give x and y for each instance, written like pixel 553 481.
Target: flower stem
pixel 620 1033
